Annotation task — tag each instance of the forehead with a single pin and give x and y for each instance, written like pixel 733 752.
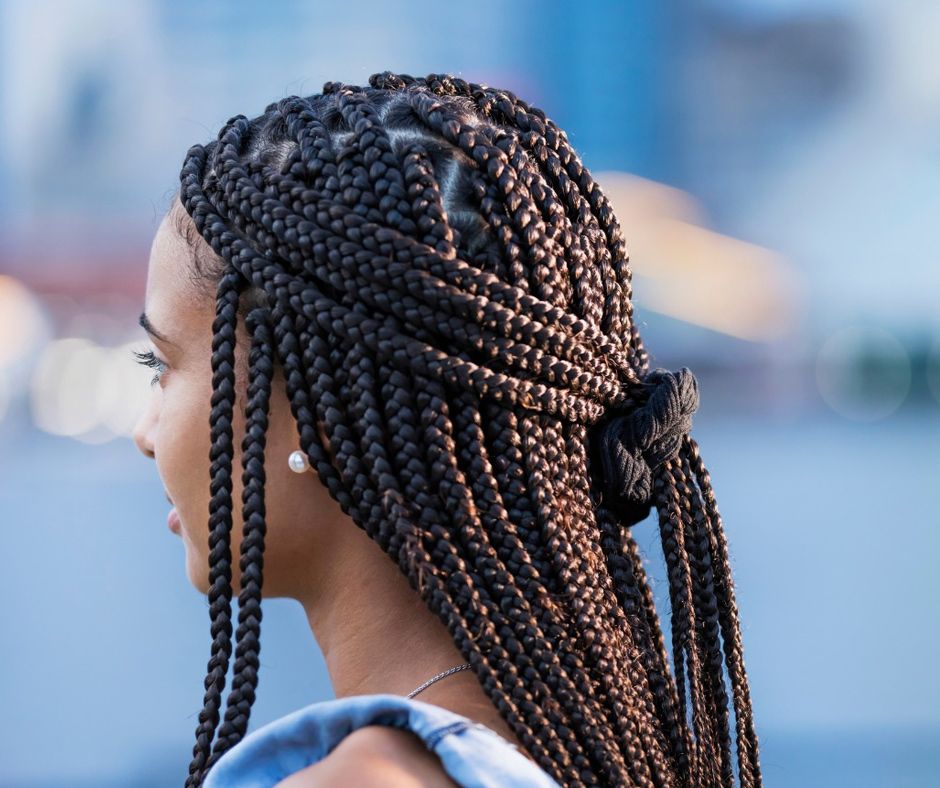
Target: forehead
pixel 168 269
pixel 171 297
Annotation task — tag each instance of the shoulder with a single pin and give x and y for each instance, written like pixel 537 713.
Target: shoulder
pixel 375 756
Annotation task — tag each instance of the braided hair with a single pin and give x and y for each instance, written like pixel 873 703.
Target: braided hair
pixel 449 296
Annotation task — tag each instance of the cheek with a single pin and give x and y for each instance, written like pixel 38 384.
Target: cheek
pixel 296 505
pixel 182 455
pixel 182 447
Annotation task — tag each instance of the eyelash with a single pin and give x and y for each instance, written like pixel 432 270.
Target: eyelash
pixel 148 359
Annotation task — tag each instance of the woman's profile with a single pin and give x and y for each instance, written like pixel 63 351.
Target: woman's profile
pixel 398 380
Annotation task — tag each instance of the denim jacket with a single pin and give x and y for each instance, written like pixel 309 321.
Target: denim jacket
pixel 473 755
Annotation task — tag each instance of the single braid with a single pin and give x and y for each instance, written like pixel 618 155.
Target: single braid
pixel 448 295
pixel 220 517
pixel 242 695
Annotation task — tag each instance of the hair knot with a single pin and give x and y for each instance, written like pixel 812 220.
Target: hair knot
pixel 631 446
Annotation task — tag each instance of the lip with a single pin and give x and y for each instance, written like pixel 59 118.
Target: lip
pixel 173 521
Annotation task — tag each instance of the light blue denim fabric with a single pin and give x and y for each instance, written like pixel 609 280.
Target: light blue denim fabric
pixel 473 755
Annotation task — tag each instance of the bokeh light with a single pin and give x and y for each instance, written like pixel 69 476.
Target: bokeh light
pixel 86 391
pixel 933 369
pixel 21 322
pixel 23 329
pixel 863 372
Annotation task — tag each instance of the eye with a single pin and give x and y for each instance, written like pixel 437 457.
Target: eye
pixel 148 359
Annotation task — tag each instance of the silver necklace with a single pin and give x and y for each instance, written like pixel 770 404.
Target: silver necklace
pixel 438 677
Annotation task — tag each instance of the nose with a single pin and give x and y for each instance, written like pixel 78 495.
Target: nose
pixel 143 429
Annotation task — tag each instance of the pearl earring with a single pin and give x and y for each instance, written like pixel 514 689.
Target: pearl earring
pixel 298 462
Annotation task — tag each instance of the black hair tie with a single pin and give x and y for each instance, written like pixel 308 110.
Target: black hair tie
pixel 633 445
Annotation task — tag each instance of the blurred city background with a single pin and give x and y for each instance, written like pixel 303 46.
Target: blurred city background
pixel 775 166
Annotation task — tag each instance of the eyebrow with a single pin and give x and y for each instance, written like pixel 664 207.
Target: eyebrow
pixel 147 326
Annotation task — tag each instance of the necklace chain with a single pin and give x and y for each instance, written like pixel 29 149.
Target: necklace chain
pixel 438 677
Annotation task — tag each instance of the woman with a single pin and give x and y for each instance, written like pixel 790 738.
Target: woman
pixel 415 292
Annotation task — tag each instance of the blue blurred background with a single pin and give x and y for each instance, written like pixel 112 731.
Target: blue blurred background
pixel 775 165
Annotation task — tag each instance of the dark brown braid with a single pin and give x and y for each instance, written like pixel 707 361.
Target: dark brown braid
pixel 448 295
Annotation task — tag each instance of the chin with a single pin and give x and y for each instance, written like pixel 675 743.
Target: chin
pixel 197 570
pixel 200 582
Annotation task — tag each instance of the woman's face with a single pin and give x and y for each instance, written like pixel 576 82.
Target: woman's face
pixel 175 431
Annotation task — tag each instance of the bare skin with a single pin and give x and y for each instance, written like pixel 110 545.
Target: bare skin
pixel 376 634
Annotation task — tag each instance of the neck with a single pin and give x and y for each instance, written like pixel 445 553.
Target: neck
pixel 377 635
